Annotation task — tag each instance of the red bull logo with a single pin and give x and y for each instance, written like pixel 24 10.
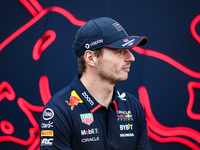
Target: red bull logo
pixel 74 100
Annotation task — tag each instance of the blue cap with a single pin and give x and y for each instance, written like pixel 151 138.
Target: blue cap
pixel 104 32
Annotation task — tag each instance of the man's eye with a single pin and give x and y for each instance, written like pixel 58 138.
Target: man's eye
pixel 119 52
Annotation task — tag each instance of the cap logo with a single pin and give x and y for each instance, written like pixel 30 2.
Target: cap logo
pixel 118 26
pixel 125 40
pixel 87 46
pixel 128 43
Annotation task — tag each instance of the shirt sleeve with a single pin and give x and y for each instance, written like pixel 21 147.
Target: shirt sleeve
pixel 55 129
pixel 143 141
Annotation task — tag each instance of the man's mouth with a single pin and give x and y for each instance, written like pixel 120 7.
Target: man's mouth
pixel 126 68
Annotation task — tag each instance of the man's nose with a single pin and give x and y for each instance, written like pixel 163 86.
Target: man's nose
pixel 129 56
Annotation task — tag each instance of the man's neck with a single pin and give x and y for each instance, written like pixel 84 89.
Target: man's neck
pixel 100 89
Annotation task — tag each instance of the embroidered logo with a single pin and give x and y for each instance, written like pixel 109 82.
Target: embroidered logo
pixel 121 96
pixel 99 41
pixel 124 115
pixel 87 118
pixel 47 133
pixel 48 114
pixel 118 26
pixel 74 100
pixel 128 43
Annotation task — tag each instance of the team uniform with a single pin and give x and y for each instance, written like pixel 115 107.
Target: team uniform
pixel 74 120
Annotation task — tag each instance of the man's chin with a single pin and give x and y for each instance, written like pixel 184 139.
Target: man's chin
pixel 122 79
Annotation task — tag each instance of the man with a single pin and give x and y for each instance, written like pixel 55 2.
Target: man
pixel 91 113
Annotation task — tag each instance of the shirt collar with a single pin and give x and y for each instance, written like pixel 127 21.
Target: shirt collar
pixel 88 100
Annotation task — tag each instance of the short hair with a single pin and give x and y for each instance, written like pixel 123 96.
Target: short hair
pixel 81 59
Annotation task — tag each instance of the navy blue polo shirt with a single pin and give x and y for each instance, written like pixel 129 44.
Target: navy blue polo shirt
pixel 74 120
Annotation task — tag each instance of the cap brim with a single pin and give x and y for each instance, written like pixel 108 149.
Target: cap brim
pixel 128 42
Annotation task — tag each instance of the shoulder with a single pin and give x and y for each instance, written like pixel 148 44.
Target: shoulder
pixel 62 93
pixel 129 100
pixel 58 100
pixel 126 96
pixel 57 109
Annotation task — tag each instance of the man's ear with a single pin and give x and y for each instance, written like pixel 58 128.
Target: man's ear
pixel 89 58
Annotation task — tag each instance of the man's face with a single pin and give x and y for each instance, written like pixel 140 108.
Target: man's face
pixel 114 64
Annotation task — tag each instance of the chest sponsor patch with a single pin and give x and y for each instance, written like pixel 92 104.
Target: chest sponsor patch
pixel 124 115
pixel 126 126
pixel 87 118
pixel 90 131
pixel 127 135
pixel 92 139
